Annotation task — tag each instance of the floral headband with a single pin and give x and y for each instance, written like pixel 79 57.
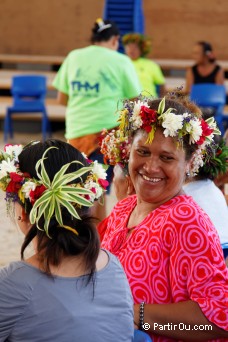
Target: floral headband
pixel 215 161
pixel 48 197
pixel 143 42
pixel 115 145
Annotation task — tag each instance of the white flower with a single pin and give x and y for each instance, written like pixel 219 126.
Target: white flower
pixel 196 131
pixel 95 188
pixel 172 123
pixel 197 161
pixel 27 187
pixel 13 151
pixel 186 115
pixel 136 118
pixel 98 170
pixel 7 166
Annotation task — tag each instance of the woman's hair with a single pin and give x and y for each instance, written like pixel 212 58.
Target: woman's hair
pixel 207 51
pixel 103 30
pixel 180 105
pixel 143 42
pixel 62 242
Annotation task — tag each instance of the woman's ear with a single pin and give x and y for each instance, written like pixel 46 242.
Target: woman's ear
pixel 24 216
pixel 23 219
pixel 130 186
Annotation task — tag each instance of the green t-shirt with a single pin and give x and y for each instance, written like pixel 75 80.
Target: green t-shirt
pixel 149 74
pixel 95 79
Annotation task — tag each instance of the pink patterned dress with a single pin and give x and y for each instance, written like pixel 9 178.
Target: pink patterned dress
pixel 173 255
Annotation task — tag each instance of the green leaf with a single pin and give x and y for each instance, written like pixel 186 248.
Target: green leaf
pixel 161 106
pixel 43 175
pixel 43 199
pixel 78 190
pixel 67 178
pixel 58 213
pixel 62 171
pixel 51 206
pixel 69 207
pixel 75 199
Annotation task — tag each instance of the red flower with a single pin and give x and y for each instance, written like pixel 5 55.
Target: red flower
pixel 37 193
pixel 15 183
pixel 206 129
pixel 201 140
pixel 148 117
pixel 103 182
pixel 93 190
pixel 15 177
pixel 7 146
pixel 13 187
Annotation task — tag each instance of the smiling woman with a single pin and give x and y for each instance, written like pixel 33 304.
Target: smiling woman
pixel 165 242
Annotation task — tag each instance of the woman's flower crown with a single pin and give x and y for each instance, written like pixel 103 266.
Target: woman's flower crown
pixel 215 160
pixel 137 115
pixel 46 197
pixel 141 40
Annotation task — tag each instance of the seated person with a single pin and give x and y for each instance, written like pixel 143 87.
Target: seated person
pixel 69 289
pixel 137 46
pixel 168 246
pixel 205 69
pixel 204 191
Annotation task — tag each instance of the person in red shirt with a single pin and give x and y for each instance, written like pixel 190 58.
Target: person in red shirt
pixel 167 244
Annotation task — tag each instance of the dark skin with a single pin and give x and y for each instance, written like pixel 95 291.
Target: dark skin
pixel 163 162
pixel 188 313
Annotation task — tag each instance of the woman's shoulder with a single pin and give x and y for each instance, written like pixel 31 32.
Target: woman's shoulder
pixel 19 274
pixel 127 202
pixel 17 283
pixel 113 273
pixel 11 270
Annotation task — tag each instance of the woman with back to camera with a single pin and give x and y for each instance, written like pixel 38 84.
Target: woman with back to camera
pixel 168 246
pixel 206 70
pixel 90 83
pixel 69 289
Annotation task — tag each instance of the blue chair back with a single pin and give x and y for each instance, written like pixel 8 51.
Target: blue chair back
pixel 225 249
pixel 28 88
pixel 210 95
pixel 29 92
pixel 141 336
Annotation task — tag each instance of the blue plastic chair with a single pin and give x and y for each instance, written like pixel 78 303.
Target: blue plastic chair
pixel 225 249
pixel 211 95
pixel 28 93
pixel 141 336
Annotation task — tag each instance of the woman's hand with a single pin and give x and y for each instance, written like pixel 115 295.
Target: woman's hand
pixel 182 320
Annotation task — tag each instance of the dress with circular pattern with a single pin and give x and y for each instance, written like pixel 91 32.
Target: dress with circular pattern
pixel 173 255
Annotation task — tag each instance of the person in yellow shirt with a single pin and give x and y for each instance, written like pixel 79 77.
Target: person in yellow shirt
pixel 137 46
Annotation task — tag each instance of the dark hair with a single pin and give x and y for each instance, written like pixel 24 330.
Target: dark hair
pixel 181 106
pixel 62 242
pixel 207 51
pixel 101 32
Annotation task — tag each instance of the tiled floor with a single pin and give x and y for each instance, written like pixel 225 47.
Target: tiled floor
pixel 10 236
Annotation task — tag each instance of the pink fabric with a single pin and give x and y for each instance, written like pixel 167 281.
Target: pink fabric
pixel 173 255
